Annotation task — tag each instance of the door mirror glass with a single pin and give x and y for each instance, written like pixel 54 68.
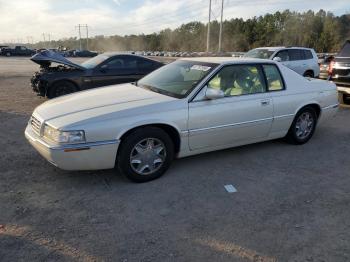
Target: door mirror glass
pixel 104 68
pixel 212 93
pixel 277 59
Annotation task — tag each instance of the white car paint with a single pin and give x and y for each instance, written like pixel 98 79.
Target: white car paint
pixel 106 114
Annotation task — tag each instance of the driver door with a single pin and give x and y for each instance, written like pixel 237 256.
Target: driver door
pixel 243 115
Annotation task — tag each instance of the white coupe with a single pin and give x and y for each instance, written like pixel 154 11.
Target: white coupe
pixel 190 106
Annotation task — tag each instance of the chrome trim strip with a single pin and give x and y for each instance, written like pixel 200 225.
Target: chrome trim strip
pixel 71 146
pixel 85 145
pixel 331 106
pixel 282 116
pixel 229 125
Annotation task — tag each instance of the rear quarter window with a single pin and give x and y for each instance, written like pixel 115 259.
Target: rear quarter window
pixel 308 54
pixel 273 78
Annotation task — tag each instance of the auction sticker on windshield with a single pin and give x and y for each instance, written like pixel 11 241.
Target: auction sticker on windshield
pixel 200 68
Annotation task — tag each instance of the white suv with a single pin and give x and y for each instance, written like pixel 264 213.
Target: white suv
pixel 302 60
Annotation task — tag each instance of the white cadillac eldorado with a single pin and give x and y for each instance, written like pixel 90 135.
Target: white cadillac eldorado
pixel 190 106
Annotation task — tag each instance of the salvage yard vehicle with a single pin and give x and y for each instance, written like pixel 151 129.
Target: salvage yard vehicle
pixel 17 51
pixel 302 60
pixel 340 72
pixel 102 70
pixel 188 107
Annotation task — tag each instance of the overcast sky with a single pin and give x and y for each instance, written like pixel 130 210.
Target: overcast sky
pixel 22 18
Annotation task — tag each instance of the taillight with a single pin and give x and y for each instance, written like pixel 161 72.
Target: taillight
pixel 330 68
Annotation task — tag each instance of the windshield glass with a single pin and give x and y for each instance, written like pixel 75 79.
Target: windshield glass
pixel 259 53
pixel 95 61
pixel 176 79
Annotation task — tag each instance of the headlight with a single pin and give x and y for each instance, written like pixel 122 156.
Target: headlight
pixel 64 136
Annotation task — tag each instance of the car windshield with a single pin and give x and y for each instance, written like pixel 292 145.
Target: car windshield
pixel 176 79
pixel 259 53
pixel 95 61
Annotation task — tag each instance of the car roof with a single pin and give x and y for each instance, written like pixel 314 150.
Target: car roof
pixel 110 54
pixel 226 60
pixel 276 48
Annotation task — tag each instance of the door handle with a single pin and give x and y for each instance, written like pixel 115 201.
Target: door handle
pixel 265 102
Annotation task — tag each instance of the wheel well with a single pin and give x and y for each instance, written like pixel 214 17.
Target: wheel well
pixel 316 107
pixel 65 80
pixel 309 71
pixel 171 131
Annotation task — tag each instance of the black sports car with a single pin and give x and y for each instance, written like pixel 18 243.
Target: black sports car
pixel 102 70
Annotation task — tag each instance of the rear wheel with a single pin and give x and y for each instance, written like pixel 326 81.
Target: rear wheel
pixel 61 88
pixel 303 126
pixel 8 54
pixel 145 154
pixel 309 74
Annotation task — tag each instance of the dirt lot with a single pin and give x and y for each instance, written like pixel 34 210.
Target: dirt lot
pixel 292 204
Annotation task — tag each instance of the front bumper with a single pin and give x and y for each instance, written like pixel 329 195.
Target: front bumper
pixel 344 89
pixel 85 156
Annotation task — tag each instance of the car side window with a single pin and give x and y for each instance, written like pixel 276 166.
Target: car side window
pixel 122 63
pixel 145 64
pixel 295 54
pixel 308 54
pixel 273 77
pixel 235 80
pixel 283 55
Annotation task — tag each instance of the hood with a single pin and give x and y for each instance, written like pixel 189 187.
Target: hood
pixel 48 56
pixel 123 99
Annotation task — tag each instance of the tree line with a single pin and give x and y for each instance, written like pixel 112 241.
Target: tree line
pixel 320 30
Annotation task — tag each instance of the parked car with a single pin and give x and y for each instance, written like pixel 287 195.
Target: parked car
pixel 84 53
pixel 106 69
pixel 325 62
pixel 187 107
pixel 302 60
pixel 340 72
pixel 17 51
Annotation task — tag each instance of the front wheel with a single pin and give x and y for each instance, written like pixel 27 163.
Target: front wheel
pixel 145 154
pixel 61 88
pixel 303 126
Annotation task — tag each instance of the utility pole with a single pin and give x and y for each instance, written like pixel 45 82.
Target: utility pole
pixel 79 36
pixel 49 39
pixel 208 34
pixel 220 34
pixel 80 26
pixel 87 37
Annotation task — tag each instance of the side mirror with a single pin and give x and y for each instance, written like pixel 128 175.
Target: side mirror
pixel 212 93
pixel 104 68
pixel 277 59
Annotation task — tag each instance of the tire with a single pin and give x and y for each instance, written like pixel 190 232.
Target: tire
pixel 303 126
pixel 309 74
pixel 61 88
pixel 8 54
pixel 346 99
pixel 141 160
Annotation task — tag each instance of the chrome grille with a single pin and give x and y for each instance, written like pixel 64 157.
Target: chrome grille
pixel 36 124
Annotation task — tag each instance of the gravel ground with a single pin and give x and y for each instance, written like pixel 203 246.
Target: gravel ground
pixel 292 204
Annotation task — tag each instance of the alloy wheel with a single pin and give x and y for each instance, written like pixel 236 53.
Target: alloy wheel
pixel 304 125
pixel 147 156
